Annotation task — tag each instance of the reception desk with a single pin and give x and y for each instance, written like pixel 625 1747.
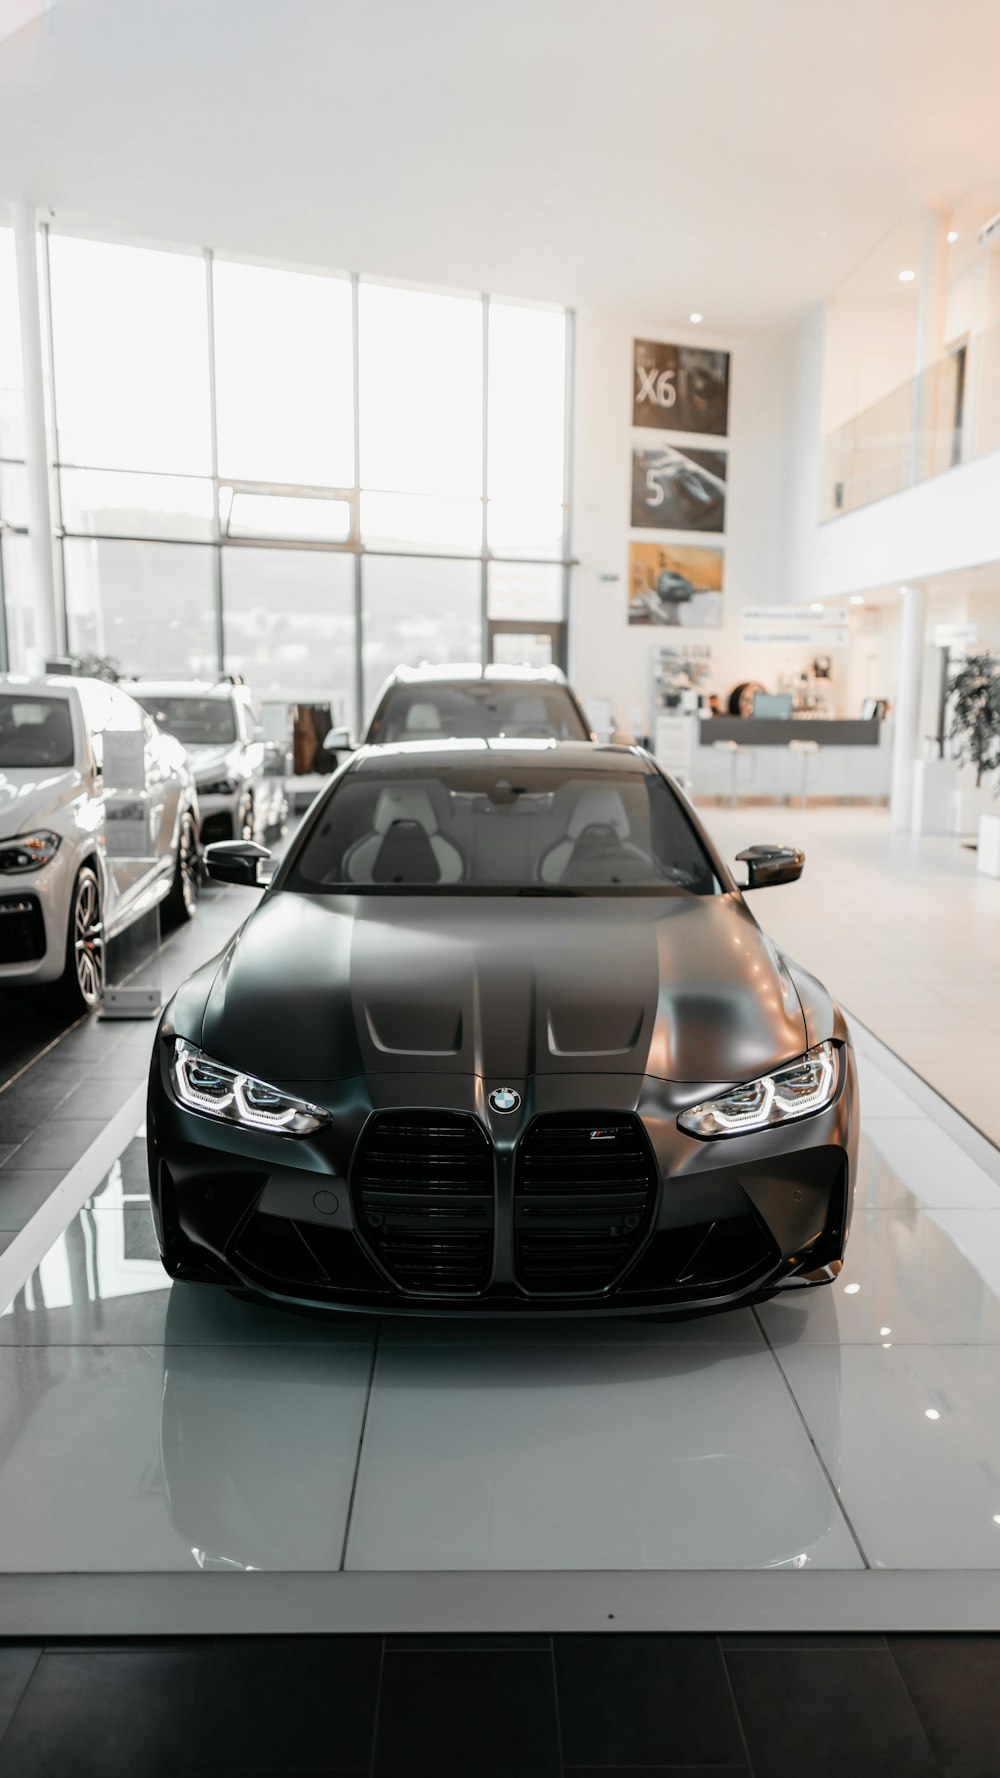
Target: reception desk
pixel 737 757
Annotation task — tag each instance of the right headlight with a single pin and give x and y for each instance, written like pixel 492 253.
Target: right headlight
pixel 800 1088
pixel 214 1090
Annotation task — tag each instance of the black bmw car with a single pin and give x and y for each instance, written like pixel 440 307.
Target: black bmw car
pixel 503 1037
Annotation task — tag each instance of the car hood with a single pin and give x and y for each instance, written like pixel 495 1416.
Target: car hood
pixel 209 762
pixel 683 988
pixel 30 795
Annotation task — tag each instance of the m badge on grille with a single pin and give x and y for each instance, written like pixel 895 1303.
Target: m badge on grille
pixel 504 1099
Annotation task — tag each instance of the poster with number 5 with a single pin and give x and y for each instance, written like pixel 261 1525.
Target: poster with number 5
pixel 680 388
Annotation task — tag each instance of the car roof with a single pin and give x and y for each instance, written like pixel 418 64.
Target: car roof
pixel 581 756
pixel 471 672
pixel 181 688
pixel 45 684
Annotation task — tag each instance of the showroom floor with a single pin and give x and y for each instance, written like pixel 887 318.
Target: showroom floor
pixel 904 930
pixel 800 1478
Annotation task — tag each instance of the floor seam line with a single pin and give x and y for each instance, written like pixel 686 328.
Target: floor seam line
pixel 361 1441
pixel 813 1445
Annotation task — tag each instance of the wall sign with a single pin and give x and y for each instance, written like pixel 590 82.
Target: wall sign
pixel 680 388
pixel 823 628
pixel 679 584
pixel 679 490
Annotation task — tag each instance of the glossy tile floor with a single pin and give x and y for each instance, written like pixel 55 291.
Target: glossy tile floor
pixel 904 931
pixel 152 1430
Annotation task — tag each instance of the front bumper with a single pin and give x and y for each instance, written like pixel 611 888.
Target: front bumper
pixel 34 917
pixel 682 1226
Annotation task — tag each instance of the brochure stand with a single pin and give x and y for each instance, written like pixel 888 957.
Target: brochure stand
pixel 132 978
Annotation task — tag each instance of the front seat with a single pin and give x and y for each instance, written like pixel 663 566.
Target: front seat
pixel 404 844
pixel 601 809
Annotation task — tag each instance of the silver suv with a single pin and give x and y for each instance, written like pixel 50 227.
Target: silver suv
pixel 238 772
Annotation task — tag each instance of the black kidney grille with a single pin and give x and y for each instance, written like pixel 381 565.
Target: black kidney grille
pixel 423 1198
pixel 583 1197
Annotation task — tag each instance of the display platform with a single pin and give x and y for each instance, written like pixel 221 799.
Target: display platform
pixel 178 1459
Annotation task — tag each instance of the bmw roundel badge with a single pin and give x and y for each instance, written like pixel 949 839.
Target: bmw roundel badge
pixel 504 1099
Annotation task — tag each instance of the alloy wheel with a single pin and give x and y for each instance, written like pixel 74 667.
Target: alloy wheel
pixel 187 866
pixel 88 940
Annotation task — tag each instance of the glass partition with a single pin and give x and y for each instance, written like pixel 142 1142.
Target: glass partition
pixel 290 629
pixel 947 415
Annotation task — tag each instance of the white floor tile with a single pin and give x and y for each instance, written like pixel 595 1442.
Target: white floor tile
pixel 734 1327
pixel 132 1459
pixel 520 1456
pixel 880 1096
pixel 904 1280
pixel 911 1436
pixel 931 1165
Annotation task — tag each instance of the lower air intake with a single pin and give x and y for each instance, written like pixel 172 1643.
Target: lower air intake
pixel 584 1193
pixel 423 1199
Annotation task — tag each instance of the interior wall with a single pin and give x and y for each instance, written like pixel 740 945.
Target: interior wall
pixel 611 659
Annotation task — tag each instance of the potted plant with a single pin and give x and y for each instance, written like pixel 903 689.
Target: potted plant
pixel 974 693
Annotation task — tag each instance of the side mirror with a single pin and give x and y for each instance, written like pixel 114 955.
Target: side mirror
pixel 339 740
pixel 236 861
pixel 767 865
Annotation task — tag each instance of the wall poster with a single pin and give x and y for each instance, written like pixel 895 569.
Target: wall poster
pixel 679 490
pixel 680 388
pixel 679 584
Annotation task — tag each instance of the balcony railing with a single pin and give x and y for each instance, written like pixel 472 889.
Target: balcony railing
pixel 949 414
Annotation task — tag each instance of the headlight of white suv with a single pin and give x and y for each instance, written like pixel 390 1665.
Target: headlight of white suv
pixel 29 852
pixel 806 1085
pixel 234 1098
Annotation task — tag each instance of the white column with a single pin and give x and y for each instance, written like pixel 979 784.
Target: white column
pixel 43 588
pixel 906 708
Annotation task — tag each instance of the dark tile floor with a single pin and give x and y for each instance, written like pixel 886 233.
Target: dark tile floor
pixel 504 1707
pixel 60 1085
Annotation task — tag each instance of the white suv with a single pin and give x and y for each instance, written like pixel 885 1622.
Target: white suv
pixel 239 773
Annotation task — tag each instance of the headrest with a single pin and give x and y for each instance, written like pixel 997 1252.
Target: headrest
pixel 404 805
pixel 598 808
pixel 423 719
pixel 529 709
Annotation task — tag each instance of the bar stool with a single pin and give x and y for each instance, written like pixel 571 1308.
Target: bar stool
pixel 734 750
pixel 805 749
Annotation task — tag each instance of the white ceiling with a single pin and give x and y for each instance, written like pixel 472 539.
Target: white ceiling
pixel 646 157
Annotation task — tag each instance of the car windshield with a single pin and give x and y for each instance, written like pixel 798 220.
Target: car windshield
pixel 35 731
pixel 195 722
pixel 482 710
pixel 502 828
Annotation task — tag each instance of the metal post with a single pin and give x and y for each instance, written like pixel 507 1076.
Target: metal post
pixel 569 411
pixel 484 568
pixel 932 292
pixel 906 707
pixel 36 453
pixel 359 616
pixel 220 618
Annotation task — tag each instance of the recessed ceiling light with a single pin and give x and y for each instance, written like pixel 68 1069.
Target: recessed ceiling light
pixel 851 1289
pixel 856 599
pixel 695 317
pixel 931 1414
pixel 953 234
pixel 815 606
pixel 907 277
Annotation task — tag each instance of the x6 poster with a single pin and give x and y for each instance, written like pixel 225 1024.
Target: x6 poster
pixel 679 490
pixel 679 584
pixel 680 388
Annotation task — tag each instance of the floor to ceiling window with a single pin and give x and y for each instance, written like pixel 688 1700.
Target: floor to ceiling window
pixel 304 478
pixel 16 628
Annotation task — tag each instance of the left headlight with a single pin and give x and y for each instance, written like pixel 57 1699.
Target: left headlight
pixel 806 1085
pixel 29 852
pixel 234 1098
